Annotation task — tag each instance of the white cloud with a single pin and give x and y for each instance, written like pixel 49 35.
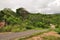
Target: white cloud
pixel 44 6
pixel 55 3
pixel 54 6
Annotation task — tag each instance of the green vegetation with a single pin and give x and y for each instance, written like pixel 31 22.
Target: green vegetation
pixel 51 38
pixel 57 30
pixel 46 38
pixel 35 34
pixel 22 20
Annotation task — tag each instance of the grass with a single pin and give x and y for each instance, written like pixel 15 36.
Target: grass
pixel 51 38
pixel 39 33
pixel 48 38
pixel 38 29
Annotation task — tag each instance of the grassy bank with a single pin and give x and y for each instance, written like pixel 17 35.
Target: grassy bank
pixel 48 35
pixel 35 34
pixel 51 38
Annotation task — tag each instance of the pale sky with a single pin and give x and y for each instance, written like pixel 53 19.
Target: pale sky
pixel 42 6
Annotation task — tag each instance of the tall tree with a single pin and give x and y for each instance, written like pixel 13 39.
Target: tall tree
pixel 22 12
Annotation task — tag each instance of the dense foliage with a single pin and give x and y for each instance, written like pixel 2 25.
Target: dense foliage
pixel 23 20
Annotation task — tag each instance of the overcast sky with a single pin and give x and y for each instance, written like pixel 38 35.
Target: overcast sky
pixel 43 6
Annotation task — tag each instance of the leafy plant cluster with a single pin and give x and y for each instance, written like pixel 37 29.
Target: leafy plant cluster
pixel 24 20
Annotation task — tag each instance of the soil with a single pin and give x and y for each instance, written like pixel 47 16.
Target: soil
pixel 39 37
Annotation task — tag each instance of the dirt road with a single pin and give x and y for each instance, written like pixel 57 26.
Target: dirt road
pixel 10 36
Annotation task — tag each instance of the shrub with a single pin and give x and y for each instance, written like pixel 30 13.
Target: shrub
pixel 6 29
pixel 57 30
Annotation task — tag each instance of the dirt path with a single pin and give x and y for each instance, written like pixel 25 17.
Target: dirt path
pixel 11 36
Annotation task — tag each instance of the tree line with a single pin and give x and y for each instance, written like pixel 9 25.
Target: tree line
pixel 24 20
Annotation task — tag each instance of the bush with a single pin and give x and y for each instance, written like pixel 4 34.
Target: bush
pixel 6 29
pixel 11 28
pixel 30 27
pixel 57 30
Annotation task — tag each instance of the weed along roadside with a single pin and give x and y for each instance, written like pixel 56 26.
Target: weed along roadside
pixel 33 34
pixel 22 23
pixel 47 35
